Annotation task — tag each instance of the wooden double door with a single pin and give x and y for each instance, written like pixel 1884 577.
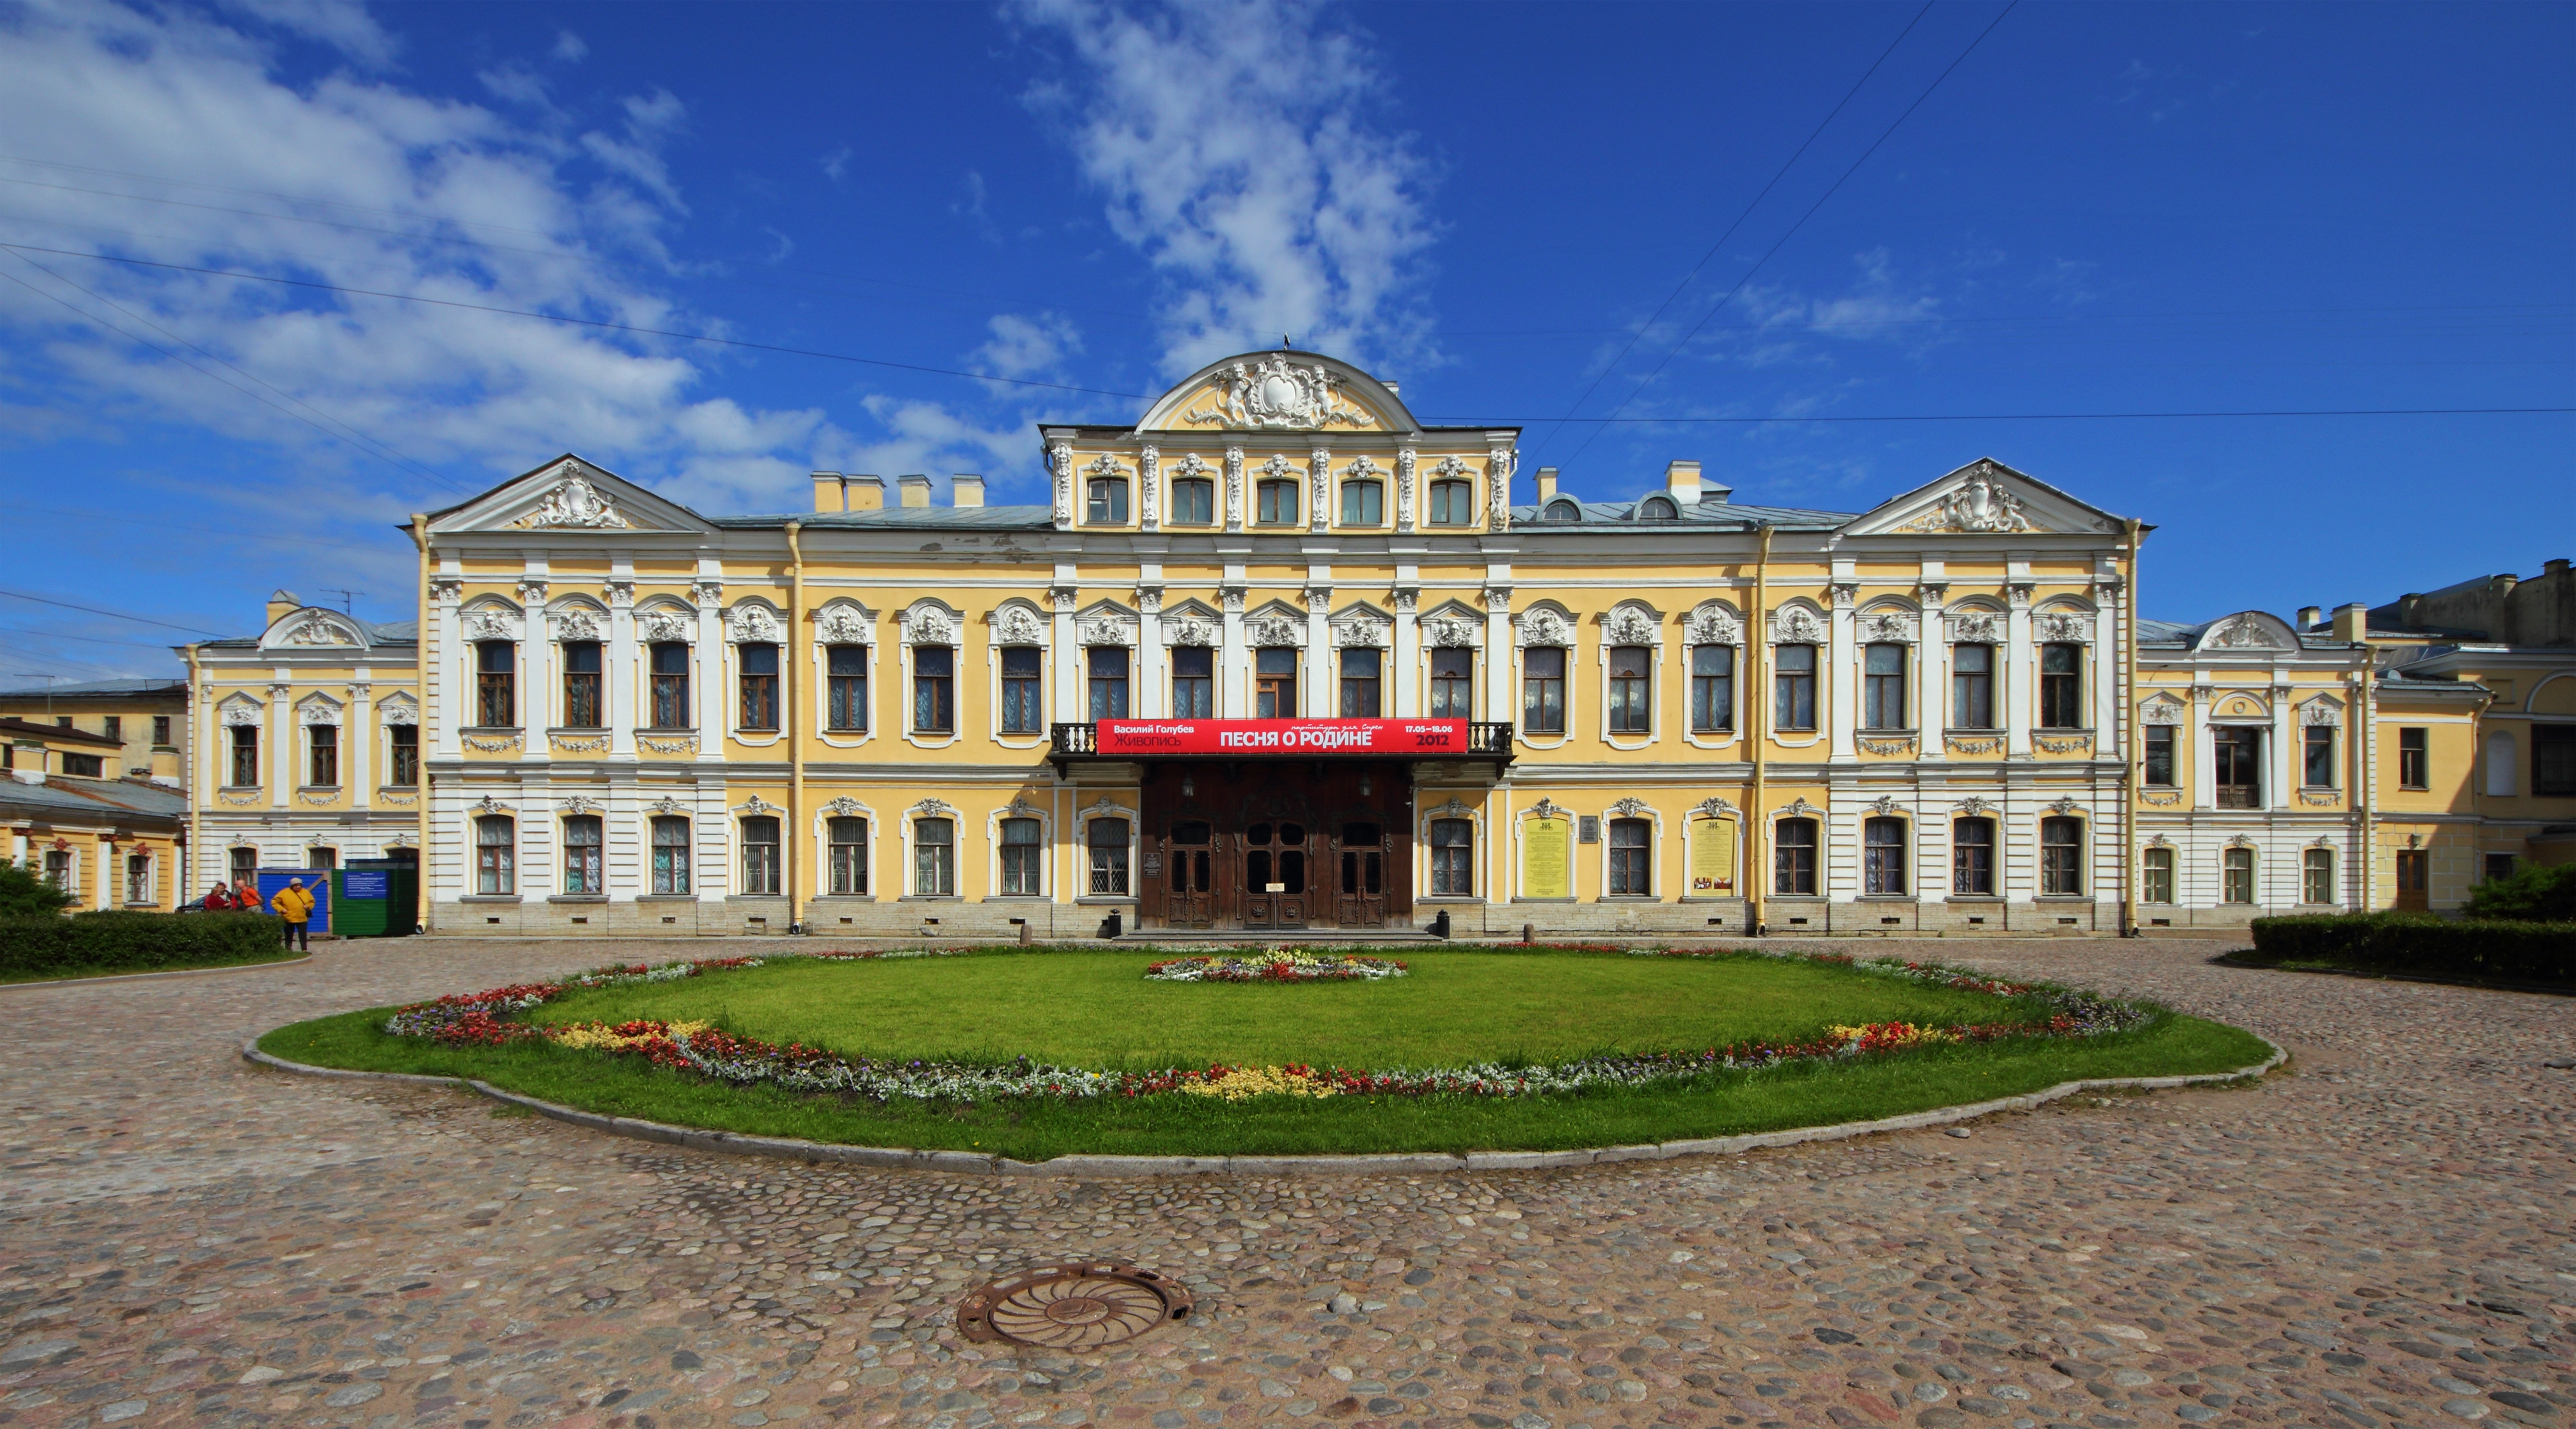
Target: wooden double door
pixel 1275 857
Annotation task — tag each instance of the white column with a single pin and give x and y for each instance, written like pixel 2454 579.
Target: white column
pixel 1843 668
pixel 281 738
pixel 1148 685
pixel 1932 657
pixel 1407 644
pixel 360 732
pixel 2109 730
pixel 442 673
pixel 536 698
pixel 1499 704
pixel 620 675
pixel 1066 654
pixel 1233 679
pixel 2204 760
pixel 708 592
pixel 1318 700
pixel 2022 688
pixel 2281 767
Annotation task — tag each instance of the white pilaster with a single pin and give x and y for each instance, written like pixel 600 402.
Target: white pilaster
pixel 1149 490
pixel 281 770
pixel 1932 659
pixel 1842 679
pixel 1319 480
pixel 1408 655
pixel 1499 703
pixel 2204 760
pixel 2022 689
pixel 621 675
pixel 1149 684
pixel 1233 673
pixel 2281 761
pixel 536 697
pixel 442 683
pixel 1063 650
pixel 360 732
pixel 1319 698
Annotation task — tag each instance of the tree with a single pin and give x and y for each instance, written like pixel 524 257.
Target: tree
pixel 2530 893
pixel 23 893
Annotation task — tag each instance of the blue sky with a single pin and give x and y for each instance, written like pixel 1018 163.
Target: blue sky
pixel 2100 209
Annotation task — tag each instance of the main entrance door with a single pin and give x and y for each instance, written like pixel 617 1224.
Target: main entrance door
pixel 1275 867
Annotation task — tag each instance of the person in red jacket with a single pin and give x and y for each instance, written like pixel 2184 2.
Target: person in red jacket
pixel 218 899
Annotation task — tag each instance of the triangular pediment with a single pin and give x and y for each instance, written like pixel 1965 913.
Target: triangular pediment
pixel 1984 498
pixel 1283 392
pixel 569 495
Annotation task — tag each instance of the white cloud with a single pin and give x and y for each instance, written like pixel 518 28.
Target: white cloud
pixel 344 25
pixel 569 47
pixel 836 164
pixel 1025 346
pixel 1234 144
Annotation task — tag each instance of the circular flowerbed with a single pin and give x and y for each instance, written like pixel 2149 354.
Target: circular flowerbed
pixel 1036 1054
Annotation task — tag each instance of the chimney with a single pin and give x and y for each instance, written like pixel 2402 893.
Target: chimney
pixel 866 493
pixel 1389 384
pixel 281 604
pixel 969 489
pixel 2554 568
pixel 27 761
pixel 2352 623
pixel 1712 494
pixel 1546 484
pixel 2309 615
pixel 827 491
pixel 916 490
pixel 1681 478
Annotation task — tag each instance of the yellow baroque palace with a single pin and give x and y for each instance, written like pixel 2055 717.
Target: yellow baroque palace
pixel 1279 657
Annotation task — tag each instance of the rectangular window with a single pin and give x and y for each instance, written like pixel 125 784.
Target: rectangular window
pixel 670 673
pixel 1882 856
pixel 1363 503
pixel 1108 841
pixel 2414 758
pixel 581 707
pixel 1972 687
pixel 759 686
pixel 2158 885
pixel 1882 687
pixel 2316 875
pixel 934 858
pixel 1023 857
pixel 138 878
pixel 1277 503
pixel 1453 866
pixel 1453 684
pixel 1193 503
pixel 1631 875
pixel 1193 682
pixel 1274 694
pixel 245 755
pixel 1972 858
pixel 1360 683
pixel 1022 669
pixel 161 730
pixel 584 838
pixel 321 858
pixel 1105 502
pixel 1543 690
pixel 2414 873
pixel 2236 880
pixel 2236 751
pixel 849 856
pixel 760 856
pixel 2317 761
pixel 58 869
pixel 2160 756
pixel 1793 703
pixel 846 697
pixel 495 870
pixel 2498 865
pixel 2553 759
pixel 114 728
pixel 2061 687
pixel 1632 705
pixel 85 766
pixel 671 856
pixel 403 772
pixel 496 698
pixel 1712 688
pixel 2061 857
pixel 1108 681
pixel 934 689
pixel 245 864
pixel 322 743
pixel 1793 858
pixel 1453 503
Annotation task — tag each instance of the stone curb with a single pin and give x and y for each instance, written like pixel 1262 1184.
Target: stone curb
pixel 1398 1163
pixel 167 972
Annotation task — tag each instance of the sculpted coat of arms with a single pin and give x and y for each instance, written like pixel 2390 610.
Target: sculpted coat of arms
pixel 573 502
pixel 1276 394
pixel 1978 504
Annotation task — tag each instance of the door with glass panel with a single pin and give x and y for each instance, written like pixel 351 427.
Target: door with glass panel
pixel 1274 865
pixel 1360 865
pixel 1189 889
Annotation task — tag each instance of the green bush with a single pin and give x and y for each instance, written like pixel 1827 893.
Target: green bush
pixel 23 894
pixel 141 942
pixel 2530 894
pixel 2420 943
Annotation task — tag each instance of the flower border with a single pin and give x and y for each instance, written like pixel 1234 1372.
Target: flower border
pixel 1277 965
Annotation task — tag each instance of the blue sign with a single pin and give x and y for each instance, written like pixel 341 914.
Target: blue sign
pixel 317 881
pixel 371 883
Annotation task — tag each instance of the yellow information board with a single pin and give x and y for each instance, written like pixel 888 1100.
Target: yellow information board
pixel 1712 870
pixel 1547 847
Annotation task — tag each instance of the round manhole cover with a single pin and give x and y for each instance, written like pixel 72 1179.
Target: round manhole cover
pixel 1074 1307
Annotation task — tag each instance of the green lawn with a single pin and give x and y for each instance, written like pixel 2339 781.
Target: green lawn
pixel 1093 1008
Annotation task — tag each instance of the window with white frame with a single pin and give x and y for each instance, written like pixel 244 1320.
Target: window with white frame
pixel 1793 858
pixel 2061 857
pixel 1453 683
pixel 1972 857
pixel 845 700
pixel 1631 858
pixel 760 856
pixel 846 841
pixel 495 848
pixel 584 845
pixel 1882 686
pixel 1972 686
pixel 1023 676
pixel 1632 689
pixel 934 858
pixel 1108 849
pixel 1543 689
pixel 1023 858
pixel 582 706
pixel 670 856
pixel 1882 856
pixel 2316 875
pixel 1453 863
pixel 1712 689
pixel 2156 883
pixel 758 679
pixel 2236 875
pixel 322 755
pixel 934 689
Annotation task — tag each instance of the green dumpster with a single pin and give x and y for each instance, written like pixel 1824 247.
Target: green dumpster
pixel 376 897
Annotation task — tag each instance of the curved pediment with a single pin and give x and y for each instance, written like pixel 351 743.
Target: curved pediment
pixel 1282 391
pixel 309 627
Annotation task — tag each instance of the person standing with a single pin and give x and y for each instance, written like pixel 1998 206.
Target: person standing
pixel 219 899
pixel 246 896
pixel 295 905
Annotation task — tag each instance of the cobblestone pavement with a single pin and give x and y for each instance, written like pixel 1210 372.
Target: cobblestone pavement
pixel 2379 1236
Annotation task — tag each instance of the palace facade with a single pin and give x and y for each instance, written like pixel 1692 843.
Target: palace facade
pixel 1280 658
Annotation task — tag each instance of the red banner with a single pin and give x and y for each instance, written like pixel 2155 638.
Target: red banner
pixel 1241 738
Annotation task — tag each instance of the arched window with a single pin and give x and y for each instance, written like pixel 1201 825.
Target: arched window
pixel 1882 856
pixel 760 856
pixel 1363 503
pixel 1793 688
pixel 2061 857
pixel 1023 857
pixel 1793 858
pixel 1632 703
pixel 1631 862
pixel 1453 503
pixel 670 674
pixel 848 840
pixel 1193 502
pixel 1972 858
pixel 1658 508
pixel 759 686
pixel 1562 509
pixel 495 870
pixel 670 856
pixel 1108 840
pixel 1023 668
pixel 1276 503
pixel 934 689
pixel 1712 688
pixel 934 858
pixel 583 837
pixel 581 702
pixel 1105 501
pixel 2236 875
pixel 496 699
pixel 1453 864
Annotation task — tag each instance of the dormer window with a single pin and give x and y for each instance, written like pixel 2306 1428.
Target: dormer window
pixel 1562 509
pixel 1658 508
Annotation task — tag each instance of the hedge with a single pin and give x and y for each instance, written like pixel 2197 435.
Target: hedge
pixel 117 940
pixel 2418 943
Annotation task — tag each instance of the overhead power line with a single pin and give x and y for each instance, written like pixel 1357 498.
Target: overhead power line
pixel 117 614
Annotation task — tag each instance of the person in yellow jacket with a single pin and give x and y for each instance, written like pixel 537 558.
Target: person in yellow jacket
pixel 295 905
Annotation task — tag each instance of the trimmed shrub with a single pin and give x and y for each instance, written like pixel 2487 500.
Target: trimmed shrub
pixel 118 940
pixel 2530 894
pixel 2420 943
pixel 22 893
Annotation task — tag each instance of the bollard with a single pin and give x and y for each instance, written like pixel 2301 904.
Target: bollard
pixel 1024 932
pixel 1529 932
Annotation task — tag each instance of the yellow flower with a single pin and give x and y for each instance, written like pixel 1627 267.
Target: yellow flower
pixel 1240 1082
